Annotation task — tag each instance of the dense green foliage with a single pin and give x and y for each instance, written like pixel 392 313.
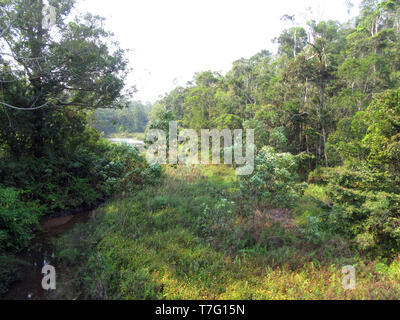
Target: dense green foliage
pixel 273 182
pixel 51 75
pixel 324 192
pixel 79 181
pixel 365 193
pixel 17 219
pixel 51 161
pixel 322 76
pixel 328 103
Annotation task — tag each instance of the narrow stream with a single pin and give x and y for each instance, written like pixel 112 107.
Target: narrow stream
pixel 40 254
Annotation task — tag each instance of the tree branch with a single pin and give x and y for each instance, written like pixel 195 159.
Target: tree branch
pixel 24 109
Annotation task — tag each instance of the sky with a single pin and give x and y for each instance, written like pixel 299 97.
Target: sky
pixel 171 40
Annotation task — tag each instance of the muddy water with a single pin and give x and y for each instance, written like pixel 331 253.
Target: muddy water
pixel 40 254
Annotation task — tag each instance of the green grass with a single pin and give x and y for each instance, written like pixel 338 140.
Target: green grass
pixel 191 238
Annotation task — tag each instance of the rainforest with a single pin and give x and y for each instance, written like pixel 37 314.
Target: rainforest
pixel 78 192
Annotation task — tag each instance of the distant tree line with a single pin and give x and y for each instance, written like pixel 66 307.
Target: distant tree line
pixel 304 97
pixel 131 119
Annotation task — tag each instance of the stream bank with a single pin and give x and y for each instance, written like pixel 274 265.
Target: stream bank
pixel 39 254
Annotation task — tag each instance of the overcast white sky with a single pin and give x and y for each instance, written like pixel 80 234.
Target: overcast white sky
pixel 173 39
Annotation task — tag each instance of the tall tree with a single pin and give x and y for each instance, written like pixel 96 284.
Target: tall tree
pixel 51 71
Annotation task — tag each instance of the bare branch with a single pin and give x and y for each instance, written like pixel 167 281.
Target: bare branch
pixel 24 109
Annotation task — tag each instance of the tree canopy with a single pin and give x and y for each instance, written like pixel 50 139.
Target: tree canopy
pixel 51 72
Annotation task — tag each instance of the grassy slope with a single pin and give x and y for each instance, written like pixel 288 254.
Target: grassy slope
pixel 192 238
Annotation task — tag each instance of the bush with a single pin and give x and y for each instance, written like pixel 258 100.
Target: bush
pixel 216 219
pixel 364 206
pixel 17 219
pixel 274 180
pixel 80 180
pixel 128 169
pixel 372 218
pixel 358 178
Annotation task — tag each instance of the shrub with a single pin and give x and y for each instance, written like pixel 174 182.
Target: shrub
pixel 17 219
pixel 216 219
pixel 274 180
pixel 372 218
pixel 358 178
pixel 364 206
pixel 129 169
pixel 80 180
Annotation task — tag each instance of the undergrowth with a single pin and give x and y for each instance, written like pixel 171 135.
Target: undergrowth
pixel 193 238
